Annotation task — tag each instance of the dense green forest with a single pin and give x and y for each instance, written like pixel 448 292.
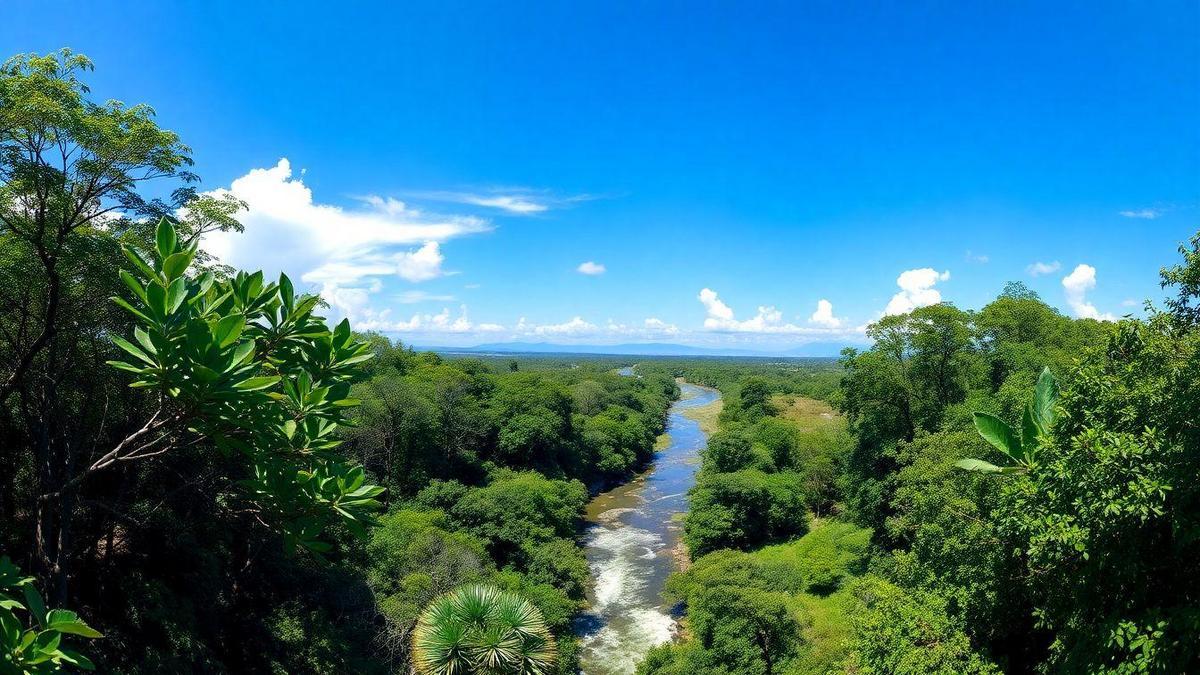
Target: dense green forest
pixel 204 475
pixel 864 548
pixel 270 495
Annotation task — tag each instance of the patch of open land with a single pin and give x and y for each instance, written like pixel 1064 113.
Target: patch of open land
pixel 706 415
pixel 808 414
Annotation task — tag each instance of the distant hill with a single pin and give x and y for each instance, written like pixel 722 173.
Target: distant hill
pixel 822 349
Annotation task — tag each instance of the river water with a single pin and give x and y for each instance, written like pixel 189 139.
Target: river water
pixel 631 546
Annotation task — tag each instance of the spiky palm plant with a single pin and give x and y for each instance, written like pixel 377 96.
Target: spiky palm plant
pixel 481 629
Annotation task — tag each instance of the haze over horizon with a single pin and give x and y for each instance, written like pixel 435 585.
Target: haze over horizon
pixel 773 180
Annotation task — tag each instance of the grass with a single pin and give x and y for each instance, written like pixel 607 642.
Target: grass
pixel 662 442
pixel 706 415
pixel 808 414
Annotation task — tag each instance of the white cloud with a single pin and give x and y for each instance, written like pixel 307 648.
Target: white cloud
pixel 576 326
pixel 591 268
pixel 346 251
pixel 514 201
pixel 656 325
pixel 413 297
pixel 422 264
pixel 717 310
pixel 720 318
pixel 1038 269
pixel 442 322
pixel 286 229
pixel 824 315
pixel 977 258
pixel 1129 302
pixel 1076 286
pixel 1144 214
pixel 916 290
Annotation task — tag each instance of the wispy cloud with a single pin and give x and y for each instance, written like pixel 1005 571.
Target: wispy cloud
pixel 916 290
pixel 591 268
pixel 1076 286
pixel 518 201
pixel 1144 214
pixel 1038 269
pixel 977 258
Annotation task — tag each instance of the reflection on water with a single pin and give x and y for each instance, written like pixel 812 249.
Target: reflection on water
pixel 634 529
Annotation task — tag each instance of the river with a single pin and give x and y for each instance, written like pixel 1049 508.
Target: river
pixel 631 546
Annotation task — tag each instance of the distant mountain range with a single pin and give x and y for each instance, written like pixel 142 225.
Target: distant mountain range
pixel 813 349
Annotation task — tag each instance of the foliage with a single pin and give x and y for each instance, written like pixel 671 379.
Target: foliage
pixel 38 648
pixel 1035 426
pixel 744 509
pixel 482 629
pixel 249 366
pixel 908 633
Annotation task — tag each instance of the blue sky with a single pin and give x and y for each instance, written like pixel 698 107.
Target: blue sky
pixel 412 161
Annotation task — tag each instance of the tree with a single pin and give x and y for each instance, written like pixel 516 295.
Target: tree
pixel 480 629
pixel 248 367
pixel 66 164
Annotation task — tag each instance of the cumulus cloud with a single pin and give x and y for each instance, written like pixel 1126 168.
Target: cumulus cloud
pixel 1038 269
pixel 1076 286
pixel 442 322
pixel 656 325
pixel 719 317
pixel 591 268
pixel 916 290
pixel 824 315
pixel 575 326
pixel 287 229
pixel 718 312
pixel 1144 214
pixel 344 251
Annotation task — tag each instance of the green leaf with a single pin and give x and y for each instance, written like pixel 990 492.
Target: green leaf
pixel 127 346
pixel 287 293
pixel 176 264
pixel 997 432
pixel 257 383
pixel 37 608
pixel 1029 432
pixel 129 367
pixel 76 659
pixel 242 352
pixel 66 621
pixel 165 239
pixel 139 262
pixel 229 329
pixel 1044 397
pixel 156 299
pixel 134 285
pixel 176 294
pixel 143 339
pixel 977 465
pixel 341 333
pixel 120 302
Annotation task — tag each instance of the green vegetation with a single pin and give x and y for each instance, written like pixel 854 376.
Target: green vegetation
pixel 480 629
pixel 39 647
pixel 218 481
pixel 1069 545
pixel 215 478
